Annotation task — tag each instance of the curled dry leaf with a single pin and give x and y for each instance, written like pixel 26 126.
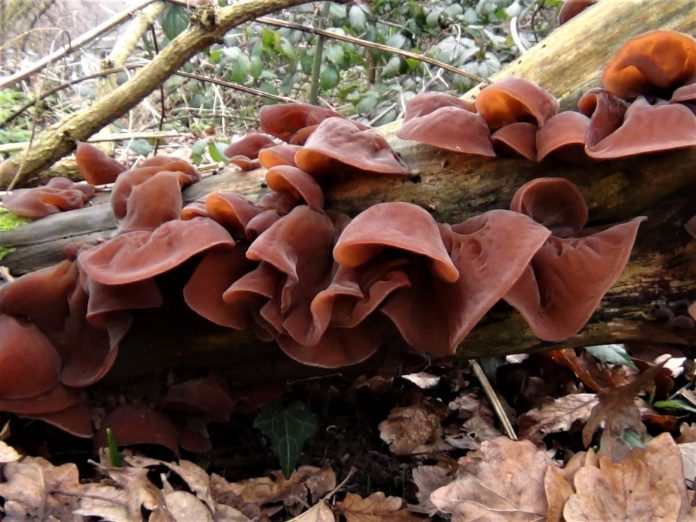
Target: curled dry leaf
pixel 618 410
pixel 427 480
pixel 183 505
pixel 374 508
pixel 255 495
pixel 558 415
pixel 317 513
pixel 8 453
pixel 408 430
pixel 35 489
pixel 688 453
pixel 509 479
pixel 647 485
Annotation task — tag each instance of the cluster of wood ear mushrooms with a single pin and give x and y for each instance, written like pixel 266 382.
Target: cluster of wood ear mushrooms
pixel 321 284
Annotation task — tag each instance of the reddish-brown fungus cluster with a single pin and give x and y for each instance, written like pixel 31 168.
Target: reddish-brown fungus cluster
pixel 319 283
pixel 645 105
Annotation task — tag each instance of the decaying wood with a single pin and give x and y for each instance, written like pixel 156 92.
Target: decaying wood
pixel 662 269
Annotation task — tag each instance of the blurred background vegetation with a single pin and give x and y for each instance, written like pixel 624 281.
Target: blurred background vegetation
pixel 372 85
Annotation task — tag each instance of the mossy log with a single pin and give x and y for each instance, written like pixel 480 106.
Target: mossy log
pixel 662 269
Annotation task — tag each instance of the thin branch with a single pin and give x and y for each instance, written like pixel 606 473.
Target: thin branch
pixel 318 54
pixel 110 136
pixel 105 72
pixel 371 45
pixel 493 397
pixel 78 42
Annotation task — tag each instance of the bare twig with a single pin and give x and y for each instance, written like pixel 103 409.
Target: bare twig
pixel 116 136
pixel 318 54
pixel 75 44
pixel 207 79
pixel 371 45
pixel 493 397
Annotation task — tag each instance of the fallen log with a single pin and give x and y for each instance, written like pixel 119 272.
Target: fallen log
pixel 453 187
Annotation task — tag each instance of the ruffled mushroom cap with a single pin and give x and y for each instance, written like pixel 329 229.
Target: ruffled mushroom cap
pixel 691 227
pixel 105 300
pixel 195 209
pixel 233 211
pixel 209 396
pixel 684 94
pixel 490 252
pixel 340 141
pixel 95 166
pixel 427 102
pixel 29 364
pixel 572 8
pixel 75 420
pixel 567 278
pixel 140 255
pixel 519 137
pixel 515 99
pixel 54 284
pixel 297 183
pixel 132 425
pixel 450 128
pixel 188 175
pixel 245 152
pixel 397 225
pixel 606 113
pixel 563 135
pixel 123 186
pixel 88 352
pixel 58 195
pixel 216 272
pixel 283 154
pixel 654 63
pixel 646 129
pixel 153 202
pixel 556 203
pixel 284 120
pixel 58 398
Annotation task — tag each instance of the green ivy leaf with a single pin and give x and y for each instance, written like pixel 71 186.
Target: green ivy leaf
pixel 141 147
pixel 270 38
pixel 256 66
pixel 328 78
pixel 357 18
pixel 239 69
pixel 334 54
pixel 197 151
pixel 217 151
pixel 174 21
pixel 392 68
pixel 288 428
pixel 612 354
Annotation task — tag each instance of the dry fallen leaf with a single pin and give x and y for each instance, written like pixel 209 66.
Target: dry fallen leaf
pixel 8 453
pixel 317 513
pixel 36 489
pixel 558 489
pixel 508 480
pixel 647 485
pixel 408 430
pixel 195 477
pixel 688 453
pixel 252 496
pixel 558 415
pixel 374 508
pixel 618 410
pixel 427 480
pixel 687 433
pixel 185 506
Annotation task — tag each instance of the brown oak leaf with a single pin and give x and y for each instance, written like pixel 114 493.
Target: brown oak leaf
pixel 374 508
pixel 507 483
pixel 409 430
pixel 647 485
